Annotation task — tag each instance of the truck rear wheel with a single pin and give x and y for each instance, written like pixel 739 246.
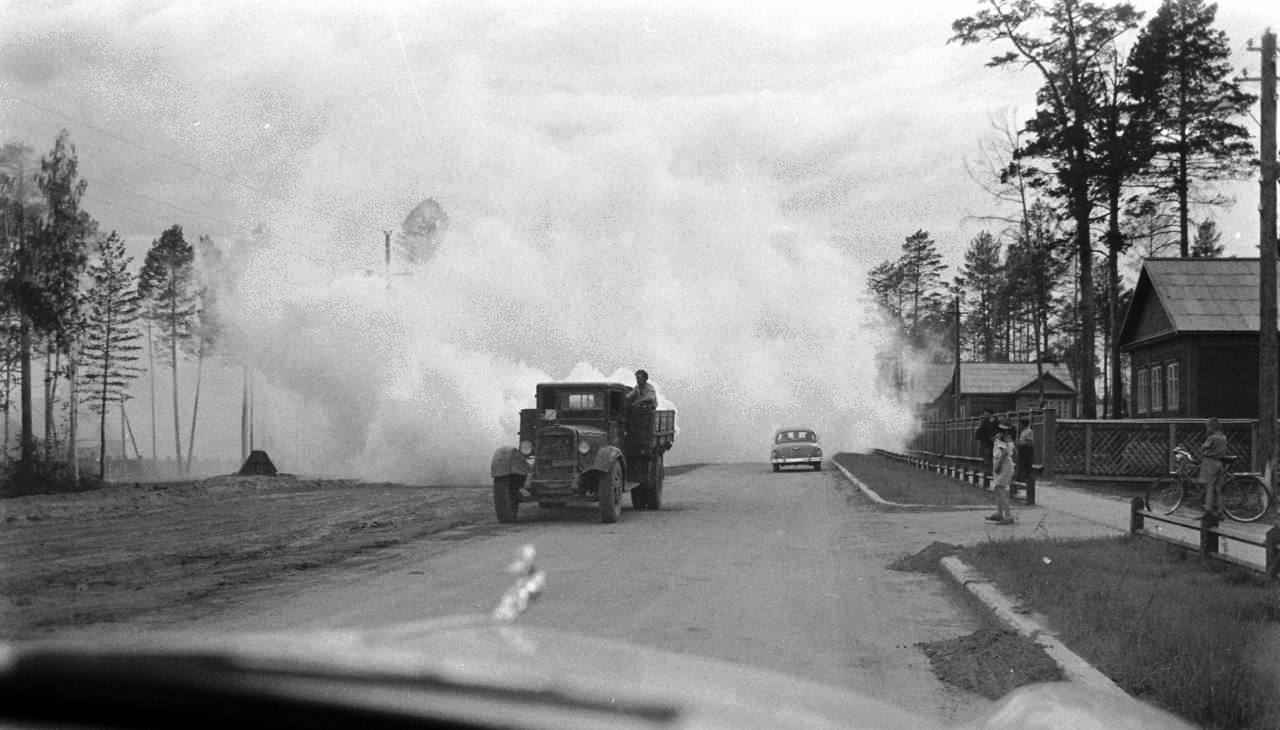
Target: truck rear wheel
pixel 656 478
pixel 609 492
pixel 506 497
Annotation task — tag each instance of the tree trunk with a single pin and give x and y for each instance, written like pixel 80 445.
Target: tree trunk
pixel 102 428
pixel 49 368
pixel 28 434
pixel 173 353
pixel 72 416
pixel 151 373
pixel 1115 240
pixel 1081 207
pixel 195 408
pixel 244 417
pixel 8 401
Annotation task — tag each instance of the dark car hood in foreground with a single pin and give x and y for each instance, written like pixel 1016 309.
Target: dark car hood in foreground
pixel 549 678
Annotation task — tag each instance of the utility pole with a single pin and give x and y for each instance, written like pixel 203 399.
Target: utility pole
pixel 1268 364
pixel 955 390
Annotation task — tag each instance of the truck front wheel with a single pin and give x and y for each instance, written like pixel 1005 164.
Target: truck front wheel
pixel 506 497
pixel 609 492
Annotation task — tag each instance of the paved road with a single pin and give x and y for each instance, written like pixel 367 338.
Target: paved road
pixel 785 572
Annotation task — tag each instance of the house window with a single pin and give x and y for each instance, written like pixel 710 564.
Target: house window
pixel 1172 384
pixel 1157 389
pixel 1141 391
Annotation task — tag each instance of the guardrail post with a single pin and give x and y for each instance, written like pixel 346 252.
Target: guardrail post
pixel 1208 538
pixel 1136 507
pixel 1272 546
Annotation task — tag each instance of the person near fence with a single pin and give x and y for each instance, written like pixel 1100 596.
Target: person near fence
pixel 1026 445
pixel 985 435
pixel 1002 458
pixel 1211 465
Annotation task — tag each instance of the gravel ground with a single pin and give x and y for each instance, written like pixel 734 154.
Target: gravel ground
pixel 190 547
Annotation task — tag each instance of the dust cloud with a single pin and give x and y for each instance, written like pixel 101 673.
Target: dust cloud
pixel 588 236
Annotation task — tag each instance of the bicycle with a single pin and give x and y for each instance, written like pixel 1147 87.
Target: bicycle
pixel 1243 496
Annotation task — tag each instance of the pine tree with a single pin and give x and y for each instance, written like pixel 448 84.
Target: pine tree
pixel 1065 55
pixel 885 283
pixel 111 338
pixel 166 286
pixel 21 208
pixel 922 270
pixel 207 322
pixel 1207 244
pixel 62 242
pixel 984 280
pixel 1182 63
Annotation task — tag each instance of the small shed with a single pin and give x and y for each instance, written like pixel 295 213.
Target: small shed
pixel 1191 332
pixel 1005 386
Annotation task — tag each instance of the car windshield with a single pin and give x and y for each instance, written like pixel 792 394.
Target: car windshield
pixel 311 313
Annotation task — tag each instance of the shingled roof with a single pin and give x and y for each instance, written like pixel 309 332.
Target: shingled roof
pixel 1196 295
pixel 1006 377
pixel 990 378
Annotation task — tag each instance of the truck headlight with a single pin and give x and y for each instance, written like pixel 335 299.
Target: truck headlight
pixel 526 447
pixel 584 447
pixel 817 451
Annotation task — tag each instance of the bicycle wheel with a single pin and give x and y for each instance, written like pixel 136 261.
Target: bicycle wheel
pixel 1166 494
pixel 1244 498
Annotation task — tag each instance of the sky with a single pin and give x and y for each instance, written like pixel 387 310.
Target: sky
pixel 696 190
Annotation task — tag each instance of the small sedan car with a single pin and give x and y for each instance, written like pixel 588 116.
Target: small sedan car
pixel 796 447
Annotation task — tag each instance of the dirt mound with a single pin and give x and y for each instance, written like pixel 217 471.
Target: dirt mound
pixel 925 561
pixel 990 662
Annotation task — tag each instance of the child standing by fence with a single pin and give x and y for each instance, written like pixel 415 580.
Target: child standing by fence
pixel 1002 461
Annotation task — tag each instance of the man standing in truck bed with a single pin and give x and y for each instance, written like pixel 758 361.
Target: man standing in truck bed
pixel 643 395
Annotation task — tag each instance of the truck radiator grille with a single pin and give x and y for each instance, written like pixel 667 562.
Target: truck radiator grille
pixel 556 445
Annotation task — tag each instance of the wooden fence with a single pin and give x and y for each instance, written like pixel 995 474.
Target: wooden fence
pixel 1126 449
pixel 1211 536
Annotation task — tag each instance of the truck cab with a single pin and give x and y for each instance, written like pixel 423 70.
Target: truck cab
pixel 583 442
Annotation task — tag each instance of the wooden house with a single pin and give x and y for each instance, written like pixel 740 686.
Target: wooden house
pixel 1004 386
pixel 1191 332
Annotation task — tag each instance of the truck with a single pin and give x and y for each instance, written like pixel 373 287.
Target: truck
pixel 584 443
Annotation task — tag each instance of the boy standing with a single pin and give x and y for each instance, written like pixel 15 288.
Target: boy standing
pixel 1002 455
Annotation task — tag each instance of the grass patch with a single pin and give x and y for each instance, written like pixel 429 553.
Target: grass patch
pixel 905 484
pixel 1197 638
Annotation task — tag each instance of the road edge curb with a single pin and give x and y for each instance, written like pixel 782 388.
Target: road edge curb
pixel 1073 666
pixel 875 497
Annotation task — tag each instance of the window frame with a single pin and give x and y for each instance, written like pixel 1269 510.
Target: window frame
pixel 1157 388
pixel 1142 393
pixel 1173 386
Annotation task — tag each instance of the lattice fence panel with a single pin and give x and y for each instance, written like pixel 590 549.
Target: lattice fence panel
pixel 1129 449
pixel 1068 447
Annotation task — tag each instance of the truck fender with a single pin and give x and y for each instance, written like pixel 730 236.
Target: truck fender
pixel 605 457
pixel 507 461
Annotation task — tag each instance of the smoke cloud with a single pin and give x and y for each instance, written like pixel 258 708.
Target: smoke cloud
pixel 624 188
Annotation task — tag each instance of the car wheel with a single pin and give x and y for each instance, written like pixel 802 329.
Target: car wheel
pixel 777 468
pixel 609 492
pixel 506 497
pixel 818 466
